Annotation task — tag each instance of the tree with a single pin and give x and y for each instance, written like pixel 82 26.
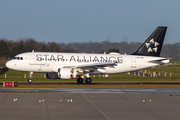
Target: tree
pixel 113 50
pixel 45 49
pixel 21 48
pixel 54 47
pixel 14 51
pixel 4 49
pixel 29 48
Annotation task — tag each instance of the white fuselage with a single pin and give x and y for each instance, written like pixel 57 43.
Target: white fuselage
pixel 50 62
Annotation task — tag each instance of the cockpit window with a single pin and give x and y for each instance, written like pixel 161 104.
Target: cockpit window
pixel 18 58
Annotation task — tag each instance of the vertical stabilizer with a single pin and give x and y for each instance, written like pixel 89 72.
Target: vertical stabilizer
pixel 152 46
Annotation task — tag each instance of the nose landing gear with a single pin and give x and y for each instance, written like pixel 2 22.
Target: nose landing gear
pixel 29 81
pixel 30 77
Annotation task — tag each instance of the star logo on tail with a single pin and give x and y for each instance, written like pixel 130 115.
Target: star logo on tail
pixel 152 46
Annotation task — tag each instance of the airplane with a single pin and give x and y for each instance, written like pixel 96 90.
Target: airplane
pixel 59 65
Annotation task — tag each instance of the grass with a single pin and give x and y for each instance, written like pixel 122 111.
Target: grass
pixel 16 76
pixel 123 77
pixel 96 86
pixel 175 61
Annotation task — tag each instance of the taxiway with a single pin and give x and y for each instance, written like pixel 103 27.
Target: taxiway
pixel 88 104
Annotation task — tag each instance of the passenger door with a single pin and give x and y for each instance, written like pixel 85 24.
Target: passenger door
pixel 32 59
pixel 133 62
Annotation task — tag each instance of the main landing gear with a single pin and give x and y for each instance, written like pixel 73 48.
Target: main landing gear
pixel 88 80
pixel 80 80
pixel 30 77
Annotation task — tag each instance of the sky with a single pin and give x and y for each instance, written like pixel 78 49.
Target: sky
pixel 88 20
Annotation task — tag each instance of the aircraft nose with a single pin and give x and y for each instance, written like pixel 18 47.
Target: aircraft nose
pixel 8 64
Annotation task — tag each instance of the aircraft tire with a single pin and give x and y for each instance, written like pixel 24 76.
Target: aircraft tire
pixel 80 80
pixel 29 81
pixel 88 80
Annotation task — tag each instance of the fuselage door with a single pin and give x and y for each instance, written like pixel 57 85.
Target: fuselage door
pixel 32 59
pixel 133 62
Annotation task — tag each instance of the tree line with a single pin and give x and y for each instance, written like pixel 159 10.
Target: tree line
pixel 10 48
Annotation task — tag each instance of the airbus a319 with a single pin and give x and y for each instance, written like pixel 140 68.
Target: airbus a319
pixel 71 65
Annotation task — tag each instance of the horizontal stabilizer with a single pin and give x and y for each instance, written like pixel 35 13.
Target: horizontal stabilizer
pixel 159 61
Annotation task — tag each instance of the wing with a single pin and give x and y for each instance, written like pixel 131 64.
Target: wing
pixel 94 66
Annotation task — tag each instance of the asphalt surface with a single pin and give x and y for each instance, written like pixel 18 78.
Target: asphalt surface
pixel 104 83
pixel 94 90
pixel 88 104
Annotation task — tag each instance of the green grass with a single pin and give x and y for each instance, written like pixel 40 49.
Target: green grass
pixel 17 74
pixel 175 61
pixel 123 77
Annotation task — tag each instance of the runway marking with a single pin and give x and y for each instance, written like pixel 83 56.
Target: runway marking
pixel 95 107
pixel 174 95
pixel 4 98
pixel 15 99
pixel 147 100
pixel 46 107
pixel 41 100
pixel 141 107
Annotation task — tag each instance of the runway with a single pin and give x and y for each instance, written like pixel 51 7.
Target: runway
pixel 88 104
pixel 94 90
pixel 101 83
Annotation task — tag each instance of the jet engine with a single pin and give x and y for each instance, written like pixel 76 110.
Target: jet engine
pixel 52 75
pixel 63 73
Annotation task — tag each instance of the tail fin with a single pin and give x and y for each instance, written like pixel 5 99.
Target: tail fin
pixel 152 46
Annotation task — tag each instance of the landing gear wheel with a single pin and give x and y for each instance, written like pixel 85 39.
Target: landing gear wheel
pixel 88 80
pixel 29 81
pixel 80 80
pixel 30 77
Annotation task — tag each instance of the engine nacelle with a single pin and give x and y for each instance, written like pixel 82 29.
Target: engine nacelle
pixel 63 73
pixel 66 73
pixel 52 75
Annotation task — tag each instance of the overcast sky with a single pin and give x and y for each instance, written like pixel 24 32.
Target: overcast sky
pixel 88 20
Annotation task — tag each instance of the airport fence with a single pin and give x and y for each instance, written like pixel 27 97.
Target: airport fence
pixel 146 73
pixel 41 76
pixel 22 76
